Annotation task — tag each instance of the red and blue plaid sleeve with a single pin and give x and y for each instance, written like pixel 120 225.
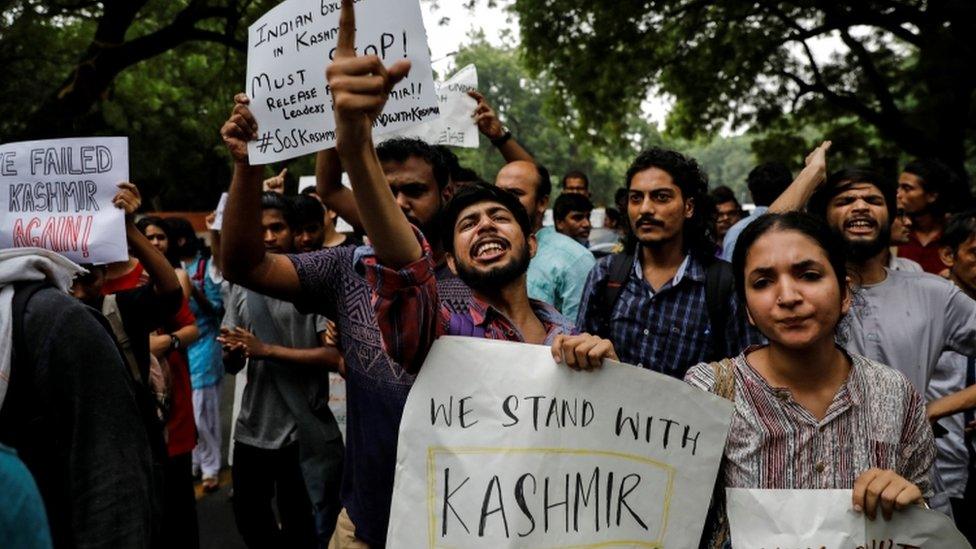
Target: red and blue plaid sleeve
pixel 407 306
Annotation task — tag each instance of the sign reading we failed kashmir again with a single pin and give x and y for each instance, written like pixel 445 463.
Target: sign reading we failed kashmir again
pixel 501 447
pixel 289 49
pixel 57 194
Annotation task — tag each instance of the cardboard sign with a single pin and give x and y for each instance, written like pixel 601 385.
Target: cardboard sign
pixel 57 194
pixel 455 127
pixel 501 447
pixel 289 49
pixel 771 519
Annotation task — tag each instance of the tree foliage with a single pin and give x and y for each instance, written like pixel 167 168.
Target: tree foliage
pixel 902 71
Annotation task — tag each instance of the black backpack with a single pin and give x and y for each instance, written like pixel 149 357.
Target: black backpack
pixel 719 285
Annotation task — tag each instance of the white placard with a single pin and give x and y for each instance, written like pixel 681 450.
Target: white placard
pixel 219 213
pixel 304 182
pixel 501 447
pixel 825 519
pixel 455 127
pixel 57 194
pixel 289 49
pixel 337 401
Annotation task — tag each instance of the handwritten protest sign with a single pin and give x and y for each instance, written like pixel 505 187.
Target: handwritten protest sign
pixel 500 447
pixel 289 49
pixel 57 194
pixel 455 127
pixel 823 519
pixel 218 222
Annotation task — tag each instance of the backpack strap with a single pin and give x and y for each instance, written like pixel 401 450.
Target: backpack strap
pixel 719 285
pixel 724 371
pixel 111 312
pixel 23 293
pixel 620 266
pixel 462 325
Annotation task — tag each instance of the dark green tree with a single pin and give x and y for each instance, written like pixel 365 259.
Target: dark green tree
pixel 902 71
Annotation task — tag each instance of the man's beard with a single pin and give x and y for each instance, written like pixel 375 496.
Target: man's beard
pixel 859 251
pixel 497 277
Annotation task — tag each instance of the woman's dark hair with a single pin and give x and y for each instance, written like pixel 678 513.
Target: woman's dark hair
pixel 688 175
pixel 842 180
pixel 172 252
pixel 808 225
pixel 475 193
pixel 182 229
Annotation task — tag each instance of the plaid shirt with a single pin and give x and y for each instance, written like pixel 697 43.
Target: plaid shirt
pixel 411 314
pixel 667 331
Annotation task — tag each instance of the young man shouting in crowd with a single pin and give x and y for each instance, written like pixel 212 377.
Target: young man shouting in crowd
pixel 488 238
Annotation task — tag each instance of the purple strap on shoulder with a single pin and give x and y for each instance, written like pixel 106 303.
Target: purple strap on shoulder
pixel 463 325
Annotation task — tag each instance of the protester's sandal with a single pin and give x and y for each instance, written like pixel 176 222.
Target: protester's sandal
pixel 210 484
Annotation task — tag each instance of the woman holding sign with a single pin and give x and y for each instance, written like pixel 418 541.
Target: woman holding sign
pixel 808 415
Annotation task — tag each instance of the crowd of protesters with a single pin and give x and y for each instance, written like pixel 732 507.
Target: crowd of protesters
pixel 837 314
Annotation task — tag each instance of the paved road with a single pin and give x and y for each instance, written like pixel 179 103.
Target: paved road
pixel 214 513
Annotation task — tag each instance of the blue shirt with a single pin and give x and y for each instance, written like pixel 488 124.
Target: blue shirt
pixel 728 245
pixel 206 364
pixel 667 331
pixel 557 273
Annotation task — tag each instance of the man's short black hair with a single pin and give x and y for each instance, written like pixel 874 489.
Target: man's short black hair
pixel 576 174
pixel 308 211
pixel 277 201
pixel 767 181
pixel 400 149
pixel 960 228
pixel 842 180
pixel 688 175
pixel 723 194
pixel 937 178
pixel 475 193
pixel 570 202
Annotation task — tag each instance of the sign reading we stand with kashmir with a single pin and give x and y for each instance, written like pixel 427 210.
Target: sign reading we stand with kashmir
pixel 501 447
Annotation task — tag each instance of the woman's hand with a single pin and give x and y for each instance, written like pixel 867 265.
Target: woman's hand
pixel 582 352
pixel 885 488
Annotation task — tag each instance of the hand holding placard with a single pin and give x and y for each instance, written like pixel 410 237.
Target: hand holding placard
pixel 360 84
pixel 239 129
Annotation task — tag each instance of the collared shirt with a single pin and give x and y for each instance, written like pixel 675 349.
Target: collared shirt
pixel 667 331
pixel 926 255
pixel 876 419
pixel 411 316
pixel 557 273
pixel 376 385
pixel 953 373
pixel 732 236
pixel 908 321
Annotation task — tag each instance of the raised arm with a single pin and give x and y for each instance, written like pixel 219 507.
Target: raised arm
pixel 491 127
pixel 163 276
pixel 329 187
pixel 799 192
pixel 360 87
pixel 243 258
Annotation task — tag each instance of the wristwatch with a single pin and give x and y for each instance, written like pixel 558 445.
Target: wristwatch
pixel 174 343
pixel 498 142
